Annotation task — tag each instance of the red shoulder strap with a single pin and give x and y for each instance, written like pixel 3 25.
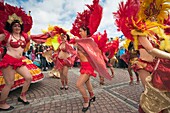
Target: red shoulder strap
pixel 25 35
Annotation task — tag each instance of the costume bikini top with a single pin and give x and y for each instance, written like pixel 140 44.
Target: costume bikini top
pixel 69 49
pixel 18 43
pixel 62 48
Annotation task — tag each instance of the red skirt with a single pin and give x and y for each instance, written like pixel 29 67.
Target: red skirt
pixel 60 63
pixel 8 60
pixel 86 68
pixel 161 76
pixel 19 80
pixel 141 64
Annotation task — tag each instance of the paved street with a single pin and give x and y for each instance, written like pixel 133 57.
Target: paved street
pixel 116 96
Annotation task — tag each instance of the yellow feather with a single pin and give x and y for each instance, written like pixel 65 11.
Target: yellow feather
pixel 162 45
pixel 126 44
pixel 44 31
pixel 50 27
pixel 55 42
pixel 48 42
pixel 167 44
pixel 27 47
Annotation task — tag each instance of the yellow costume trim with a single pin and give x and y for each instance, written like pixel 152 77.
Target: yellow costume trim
pixel 154 8
pixel 150 29
pixel 13 17
pixel 52 41
pixel 27 47
pixel 150 21
pixel 54 73
pixel 126 44
pixel 154 100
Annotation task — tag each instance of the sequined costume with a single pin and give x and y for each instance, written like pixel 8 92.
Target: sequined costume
pixel 19 80
pixel 60 63
pixel 9 14
pixel 9 60
pixel 86 68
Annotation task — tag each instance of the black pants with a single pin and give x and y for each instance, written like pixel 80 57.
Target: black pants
pixel 122 64
pixel 43 63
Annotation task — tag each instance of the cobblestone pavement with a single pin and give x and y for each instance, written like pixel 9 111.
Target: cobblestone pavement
pixel 116 96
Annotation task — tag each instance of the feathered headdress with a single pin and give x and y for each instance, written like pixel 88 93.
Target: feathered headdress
pixel 50 37
pixel 167 22
pixel 110 47
pixel 126 16
pixel 101 40
pixel 144 17
pixel 158 9
pixel 55 33
pixel 10 13
pixel 89 18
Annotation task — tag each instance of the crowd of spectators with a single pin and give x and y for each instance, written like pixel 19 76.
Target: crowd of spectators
pixel 35 53
pixel 36 50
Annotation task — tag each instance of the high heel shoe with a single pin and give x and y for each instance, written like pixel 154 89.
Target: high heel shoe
pixel 20 100
pixel 66 87
pixel 93 99
pixel 86 108
pixel 62 87
pixel 101 83
pixel 8 109
pixel 131 83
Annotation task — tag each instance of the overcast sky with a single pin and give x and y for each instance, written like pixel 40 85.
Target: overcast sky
pixel 63 13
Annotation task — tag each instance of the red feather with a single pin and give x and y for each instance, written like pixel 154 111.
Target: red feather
pixel 59 30
pixel 167 22
pixel 7 10
pixel 101 40
pixel 124 17
pixel 90 18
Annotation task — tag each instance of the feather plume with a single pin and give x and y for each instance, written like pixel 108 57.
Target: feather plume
pixel 126 16
pixel 89 18
pixel 8 10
